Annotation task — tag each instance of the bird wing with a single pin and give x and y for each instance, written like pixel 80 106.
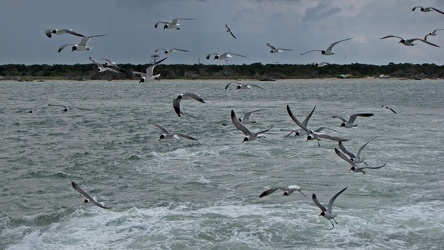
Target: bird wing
pixel 96 62
pixel 80 108
pixel 176 106
pixel 340 154
pixel 354 116
pixel 255 86
pixel 435 9
pixel 229 53
pixel 342 119
pixel 390 36
pixel 362 147
pixel 333 44
pixel 164 130
pixel 137 73
pixel 164 22
pixel 268 191
pixel 48 32
pixel 330 203
pixel 419 7
pixel 208 55
pixel 424 41
pixel 229 84
pixel 375 167
pixel 229 30
pixel 264 131
pixel 160 49
pixel 57 105
pixel 329 137
pixel 271 46
pixel 194 96
pixel 343 149
pixel 184 50
pixel 64 45
pixel 238 124
pixel 248 114
pixel 305 122
pixel 81 191
pixel 72 32
pixel 313 197
pixel 86 39
pixel 186 136
pixel 150 69
pixel 311 51
pixel 296 120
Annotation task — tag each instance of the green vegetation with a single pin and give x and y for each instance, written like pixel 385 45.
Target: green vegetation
pixel 201 71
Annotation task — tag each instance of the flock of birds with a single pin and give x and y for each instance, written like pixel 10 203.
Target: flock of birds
pixel 356 162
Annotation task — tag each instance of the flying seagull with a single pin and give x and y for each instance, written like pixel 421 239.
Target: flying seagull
pixel 148 76
pixel 109 63
pixel 287 190
pixel 409 42
pixel 354 167
pixel 276 50
pixel 433 33
pixel 222 56
pixel 249 136
pixel 66 108
pixel 80 46
pixel 387 107
pixel 229 31
pixel 88 197
pixel 185 96
pixel 101 67
pixel 327 52
pixel 50 32
pixel 328 212
pixel 169 51
pixel 351 120
pixel 167 135
pixel 243 86
pixel 427 9
pixel 172 24
pixel 355 158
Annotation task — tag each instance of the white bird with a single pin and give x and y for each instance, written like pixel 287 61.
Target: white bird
pixel 327 52
pixel 222 56
pixel 168 135
pixel 355 158
pixel 328 212
pixel 89 198
pixel 433 33
pixel 229 31
pixel 246 119
pixel 427 9
pixel 109 63
pixel 50 32
pixel 66 108
pixel 249 136
pixel 185 96
pixel 387 107
pixel 355 167
pixel 172 24
pixel 287 190
pixel 409 42
pixel 101 67
pixel 80 46
pixel 169 51
pixel 243 86
pixel 276 50
pixel 149 75
pixel 351 120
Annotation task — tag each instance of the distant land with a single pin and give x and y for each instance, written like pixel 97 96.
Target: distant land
pixel 255 71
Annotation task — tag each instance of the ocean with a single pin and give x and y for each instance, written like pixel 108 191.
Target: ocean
pixel 204 194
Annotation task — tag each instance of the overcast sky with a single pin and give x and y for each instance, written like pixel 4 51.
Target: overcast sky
pixel 299 25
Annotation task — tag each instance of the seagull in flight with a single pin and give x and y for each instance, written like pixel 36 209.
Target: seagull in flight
pixel 355 158
pixel 243 86
pixel 409 42
pixel 328 212
pixel 427 9
pixel 276 50
pixel 88 197
pixel 172 24
pixel 222 56
pixel 287 190
pixel 351 120
pixel 246 119
pixel 355 167
pixel 149 75
pixel 185 96
pixel 167 135
pixel 328 51
pixel 66 108
pixel 101 67
pixel 229 31
pixel 109 63
pixel 249 136
pixel 169 51
pixel 50 32
pixel 431 34
pixel 80 46
pixel 387 107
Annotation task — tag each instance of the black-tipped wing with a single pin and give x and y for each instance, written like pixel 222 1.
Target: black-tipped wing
pixel 340 154
pixel 333 44
pixel 305 122
pixel 342 119
pixel 315 200
pixel 91 199
pixel 310 51
pixel 239 125
pixel 296 120
pixel 353 117
pixel 362 148
pixel 435 9
pixel 194 96
pixel 176 106
pixel 164 130
pixel 343 149
pixel 185 136
pixel 330 203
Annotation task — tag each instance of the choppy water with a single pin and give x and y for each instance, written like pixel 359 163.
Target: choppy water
pixel 204 194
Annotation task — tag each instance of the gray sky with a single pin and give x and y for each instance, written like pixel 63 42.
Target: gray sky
pixel 300 25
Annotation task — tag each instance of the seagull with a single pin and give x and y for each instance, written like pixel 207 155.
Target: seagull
pixel 223 56
pixel 149 72
pixel 229 31
pixel 387 107
pixel 354 167
pixel 246 119
pixel 276 50
pixel 66 108
pixel 80 46
pixel 427 9
pixel 327 52
pixel 50 32
pixel 322 64
pixel 355 158
pixel 88 197
pixel 167 135
pixel 409 42
pixel 109 63
pixel 328 212
pixel 249 136
pixel 287 190
pixel 169 51
pixel 101 67
pixel 431 34
pixel 243 86
pixel 349 123
pixel 297 132
pixel 185 96
pixel 172 24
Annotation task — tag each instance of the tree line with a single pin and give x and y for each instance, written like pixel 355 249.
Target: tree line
pixel 201 71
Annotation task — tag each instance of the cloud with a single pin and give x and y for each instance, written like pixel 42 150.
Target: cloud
pixel 321 11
